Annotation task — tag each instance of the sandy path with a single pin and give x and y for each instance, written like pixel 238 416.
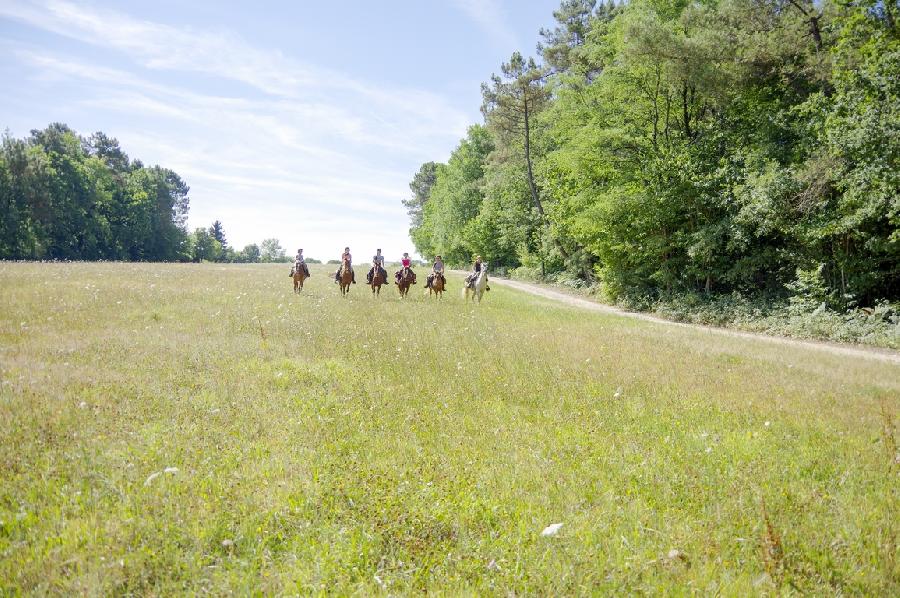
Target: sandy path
pixel 885 355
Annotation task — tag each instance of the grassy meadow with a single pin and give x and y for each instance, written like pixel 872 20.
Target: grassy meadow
pixel 201 429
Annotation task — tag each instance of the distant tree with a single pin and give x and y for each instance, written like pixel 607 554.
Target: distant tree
pixel 272 251
pixel 228 255
pixel 250 253
pixel 204 246
pixel 217 231
pixel 421 188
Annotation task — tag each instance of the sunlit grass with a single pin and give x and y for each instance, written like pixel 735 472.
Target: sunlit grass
pixel 360 445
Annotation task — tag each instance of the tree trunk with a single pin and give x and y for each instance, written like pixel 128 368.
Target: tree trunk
pixel 532 187
pixel 816 32
pixel 813 21
pixel 534 194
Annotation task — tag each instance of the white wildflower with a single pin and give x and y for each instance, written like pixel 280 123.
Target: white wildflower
pixel 551 530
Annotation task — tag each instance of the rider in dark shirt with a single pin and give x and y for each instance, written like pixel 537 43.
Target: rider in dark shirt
pixel 473 275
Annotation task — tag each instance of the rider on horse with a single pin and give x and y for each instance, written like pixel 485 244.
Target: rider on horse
pixel 377 262
pixel 345 257
pixel 476 270
pixel 299 262
pixel 437 269
pixel 405 263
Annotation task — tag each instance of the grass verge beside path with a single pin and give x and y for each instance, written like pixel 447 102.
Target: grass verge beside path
pixel 878 326
pixel 193 428
pixel 552 292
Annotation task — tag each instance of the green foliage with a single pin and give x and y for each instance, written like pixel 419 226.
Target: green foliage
pixel 204 246
pixel 676 148
pixel 272 251
pixel 217 231
pixel 421 189
pixel 67 197
pixel 454 200
pixel 250 254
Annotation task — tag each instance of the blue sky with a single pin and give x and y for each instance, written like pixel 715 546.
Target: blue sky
pixel 300 120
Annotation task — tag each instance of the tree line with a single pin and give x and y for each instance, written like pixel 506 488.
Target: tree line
pixel 69 197
pixel 210 244
pixel 664 147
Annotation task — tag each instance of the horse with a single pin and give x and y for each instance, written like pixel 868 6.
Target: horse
pixel 346 278
pixel 378 279
pixel 406 280
pixel 476 288
pixel 437 286
pixel 299 275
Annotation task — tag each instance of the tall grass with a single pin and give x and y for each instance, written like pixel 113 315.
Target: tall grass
pixel 362 445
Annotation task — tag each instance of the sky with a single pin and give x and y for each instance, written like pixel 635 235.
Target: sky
pixel 303 121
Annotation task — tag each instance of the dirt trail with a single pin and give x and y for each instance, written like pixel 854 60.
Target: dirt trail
pixel 885 355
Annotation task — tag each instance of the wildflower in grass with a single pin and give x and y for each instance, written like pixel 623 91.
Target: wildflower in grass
pixel 551 530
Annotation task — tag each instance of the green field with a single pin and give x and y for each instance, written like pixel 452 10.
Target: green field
pixel 358 446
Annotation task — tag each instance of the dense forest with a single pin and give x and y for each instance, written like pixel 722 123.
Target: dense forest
pixel 708 148
pixel 66 197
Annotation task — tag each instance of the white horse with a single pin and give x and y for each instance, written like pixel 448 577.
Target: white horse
pixel 478 286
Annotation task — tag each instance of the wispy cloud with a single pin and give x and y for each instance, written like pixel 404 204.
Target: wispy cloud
pixel 309 145
pixel 490 17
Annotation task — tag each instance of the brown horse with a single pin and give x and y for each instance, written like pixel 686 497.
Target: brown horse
pixel 437 286
pixel 406 280
pixel 377 281
pixel 299 277
pixel 346 277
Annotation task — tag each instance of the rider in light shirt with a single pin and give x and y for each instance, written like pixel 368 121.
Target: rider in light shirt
pixel 437 269
pixel 377 262
pixel 345 257
pixel 299 262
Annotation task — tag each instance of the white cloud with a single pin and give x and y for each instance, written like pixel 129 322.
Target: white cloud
pixel 309 145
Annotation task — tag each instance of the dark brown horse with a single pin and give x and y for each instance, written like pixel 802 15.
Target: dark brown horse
pixel 437 286
pixel 377 281
pixel 407 278
pixel 346 277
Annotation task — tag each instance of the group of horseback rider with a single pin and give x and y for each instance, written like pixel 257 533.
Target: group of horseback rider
pixel 437 268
